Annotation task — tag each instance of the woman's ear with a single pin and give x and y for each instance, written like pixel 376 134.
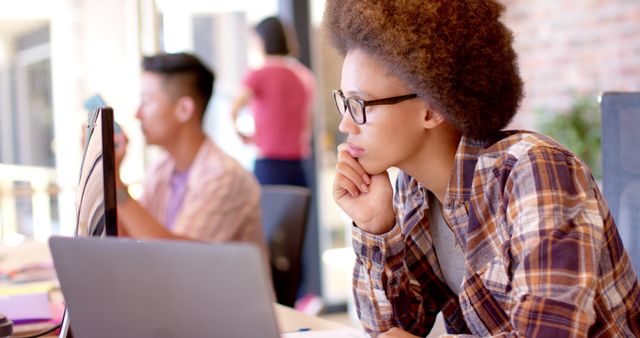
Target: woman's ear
pixel 432 118
pixel 185 108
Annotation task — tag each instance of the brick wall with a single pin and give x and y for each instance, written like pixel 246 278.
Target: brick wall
pixel 567 46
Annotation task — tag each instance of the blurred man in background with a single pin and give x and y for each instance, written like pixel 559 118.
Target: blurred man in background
pixel 195 191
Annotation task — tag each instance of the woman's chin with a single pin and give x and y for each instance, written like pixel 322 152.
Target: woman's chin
pixel 372 168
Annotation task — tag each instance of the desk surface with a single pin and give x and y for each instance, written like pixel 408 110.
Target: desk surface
pixel 292 320
pixel 288 319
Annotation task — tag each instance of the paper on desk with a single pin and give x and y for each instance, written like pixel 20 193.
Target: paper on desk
pixel 30 307
pixel 26 288
pixel 338 333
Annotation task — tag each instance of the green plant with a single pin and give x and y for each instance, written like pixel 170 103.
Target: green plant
pixel 578 129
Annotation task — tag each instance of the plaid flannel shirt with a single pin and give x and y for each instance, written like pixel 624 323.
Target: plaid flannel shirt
pixel 543 257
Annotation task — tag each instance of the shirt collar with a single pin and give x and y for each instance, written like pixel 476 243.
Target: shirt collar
pixel 201 157
pixel 467 155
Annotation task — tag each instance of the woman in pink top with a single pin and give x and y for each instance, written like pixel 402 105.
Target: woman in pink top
pixel 280 94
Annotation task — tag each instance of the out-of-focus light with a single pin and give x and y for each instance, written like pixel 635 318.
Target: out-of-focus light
pixel 14 239
pixel 27 9
pixel 135 190
pixel 339 258
pixel 4 53
pixel 245 124
pixel 255 10
pixel 217 6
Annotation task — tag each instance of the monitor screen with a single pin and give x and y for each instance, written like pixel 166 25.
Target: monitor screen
pixel 96 195
pixel 96 198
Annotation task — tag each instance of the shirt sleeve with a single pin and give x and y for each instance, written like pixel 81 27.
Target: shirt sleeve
pixel 252 81
pixel 556 239
pixel 220 209
pixel 385 291
pixel 556 243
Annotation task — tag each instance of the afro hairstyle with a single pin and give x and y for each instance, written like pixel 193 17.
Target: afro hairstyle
pixel 456 55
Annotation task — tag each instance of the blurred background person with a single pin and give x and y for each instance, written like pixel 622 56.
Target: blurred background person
pixel 280 94
pixel 195 191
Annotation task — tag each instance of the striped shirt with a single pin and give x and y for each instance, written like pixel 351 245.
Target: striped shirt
pixel 221 202
pixel 543 257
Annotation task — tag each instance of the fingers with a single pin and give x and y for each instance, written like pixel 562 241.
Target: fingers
pixel 344 155
pixel 349 168
pixel 351 175
pixel 246 139
pixel 235 128
pixel 342 185
pixel 120 141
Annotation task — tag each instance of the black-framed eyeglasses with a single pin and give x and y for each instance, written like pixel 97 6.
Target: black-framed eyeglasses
pixel 356 107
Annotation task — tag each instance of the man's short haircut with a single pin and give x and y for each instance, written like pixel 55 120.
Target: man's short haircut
pixel 273 35
pixel 456 55
pixel 190 75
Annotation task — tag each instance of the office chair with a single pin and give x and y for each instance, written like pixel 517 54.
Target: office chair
pixel 284 219
pixel 621 166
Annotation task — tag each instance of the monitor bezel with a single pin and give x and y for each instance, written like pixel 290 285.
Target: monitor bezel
pixel 109 170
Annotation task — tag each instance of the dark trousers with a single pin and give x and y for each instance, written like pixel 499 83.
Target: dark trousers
pixel 270 171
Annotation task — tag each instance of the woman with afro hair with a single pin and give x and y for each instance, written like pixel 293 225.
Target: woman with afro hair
pixel 504 232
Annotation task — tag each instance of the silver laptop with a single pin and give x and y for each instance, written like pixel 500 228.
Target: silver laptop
pixel 117 287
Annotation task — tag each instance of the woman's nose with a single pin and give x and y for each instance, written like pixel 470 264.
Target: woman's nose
pixel 347 125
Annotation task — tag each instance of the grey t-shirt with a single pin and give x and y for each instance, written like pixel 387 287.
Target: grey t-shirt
pixel 449 253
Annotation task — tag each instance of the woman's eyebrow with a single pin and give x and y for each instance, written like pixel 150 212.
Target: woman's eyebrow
pixel 357 93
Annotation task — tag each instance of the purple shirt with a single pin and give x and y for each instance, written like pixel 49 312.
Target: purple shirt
pixel 178 186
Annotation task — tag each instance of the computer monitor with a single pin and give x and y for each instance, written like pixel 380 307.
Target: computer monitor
pixel 96 195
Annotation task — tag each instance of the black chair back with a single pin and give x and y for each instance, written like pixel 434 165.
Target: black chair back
pixel 621 166
pixel 284 219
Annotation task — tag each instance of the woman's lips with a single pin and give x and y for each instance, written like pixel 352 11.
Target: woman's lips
pixel 355 151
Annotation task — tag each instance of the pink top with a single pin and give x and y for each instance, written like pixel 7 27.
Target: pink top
pixel 282 96
pixel 221 202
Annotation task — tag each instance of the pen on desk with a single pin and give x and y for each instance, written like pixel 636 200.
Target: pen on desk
pixel 302 329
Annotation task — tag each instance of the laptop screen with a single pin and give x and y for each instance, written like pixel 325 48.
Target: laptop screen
pixel 95 198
